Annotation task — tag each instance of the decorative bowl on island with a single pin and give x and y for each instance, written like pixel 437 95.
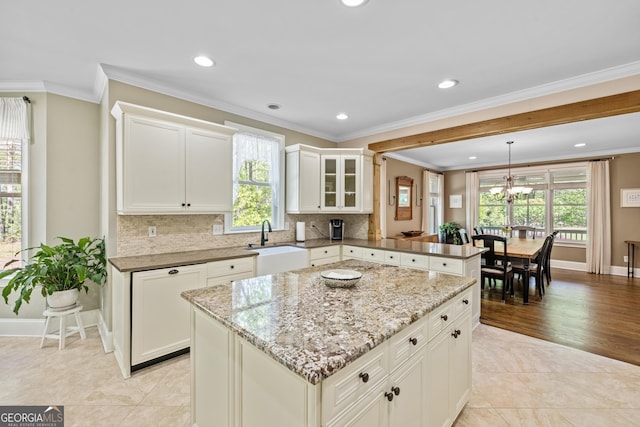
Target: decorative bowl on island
pixel 340 278
pixel 412 233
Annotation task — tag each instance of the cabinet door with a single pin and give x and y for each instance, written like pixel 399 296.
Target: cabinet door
pixel 153 166
pixel 330 182
pixel 160 317
pixel 438 377
pixel 409 388
pixel 309 182
pixel 349 179
pixel 460 374
pixel 209 180
pixel 371 411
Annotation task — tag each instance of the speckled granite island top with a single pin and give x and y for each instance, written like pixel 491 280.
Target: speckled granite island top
pixel 315 330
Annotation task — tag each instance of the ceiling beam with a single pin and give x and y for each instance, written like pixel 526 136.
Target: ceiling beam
pixel 628 102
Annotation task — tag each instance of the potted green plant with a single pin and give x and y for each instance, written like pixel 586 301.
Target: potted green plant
pixel 449 233
pixel 60 271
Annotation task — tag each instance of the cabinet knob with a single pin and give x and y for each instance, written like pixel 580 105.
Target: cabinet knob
pixel 444 317
pixel 396 390
pixel 389 396
pixel 465 301
pixel 456 333
pixel 174 271
pixel 184 204
pixel 444 264
pixel 390 256
pixel 326 252
pixel 232 267
pixel 364 376
pixel 188 204
pixel 413 341
pixel 413 260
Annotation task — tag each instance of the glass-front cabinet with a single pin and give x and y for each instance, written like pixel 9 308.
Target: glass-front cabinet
pixel 339 183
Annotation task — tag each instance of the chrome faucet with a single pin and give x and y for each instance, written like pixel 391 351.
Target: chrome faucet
pixel 264 238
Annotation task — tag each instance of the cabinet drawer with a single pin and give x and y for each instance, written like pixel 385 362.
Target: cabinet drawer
pixel 462 302
pixel 222 280
pixel 373 255
pixel 345 388
pixel 414 261
pixel 323 261
pixel 324 252
pixel 392 258
pixel 446 265
pixel 407 342
pixel 352 252
pixel 440 318
pixel 230 266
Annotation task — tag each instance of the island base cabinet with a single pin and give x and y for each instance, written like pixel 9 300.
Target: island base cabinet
pixel 211 387
pixel 449 373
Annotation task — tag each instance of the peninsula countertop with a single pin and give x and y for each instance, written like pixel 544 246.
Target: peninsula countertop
pixel 164 260
pixel 315 330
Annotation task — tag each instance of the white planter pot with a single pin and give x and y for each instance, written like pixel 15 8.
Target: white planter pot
pixel 62 300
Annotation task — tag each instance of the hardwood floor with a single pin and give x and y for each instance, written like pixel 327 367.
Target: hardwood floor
pixel 595 313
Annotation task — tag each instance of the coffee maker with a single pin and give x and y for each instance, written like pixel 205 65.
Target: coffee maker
pixel 336 229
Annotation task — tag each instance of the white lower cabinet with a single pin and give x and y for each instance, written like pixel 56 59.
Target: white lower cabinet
pixel 226 271
pixel 324 255
pixel 420 377
pixel 159 315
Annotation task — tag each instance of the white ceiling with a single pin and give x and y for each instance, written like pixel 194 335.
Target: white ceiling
pixel 379 63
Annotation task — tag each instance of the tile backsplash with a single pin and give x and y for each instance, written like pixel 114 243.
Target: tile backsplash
pixel 176 233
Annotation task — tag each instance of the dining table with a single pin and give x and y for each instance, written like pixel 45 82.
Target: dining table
pixel 525 249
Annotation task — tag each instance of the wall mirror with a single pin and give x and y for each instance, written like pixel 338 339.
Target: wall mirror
pixel 404 198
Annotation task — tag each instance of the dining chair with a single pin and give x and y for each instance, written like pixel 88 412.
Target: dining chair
pixel 536 267
pixel 478 230
pixel 464 237
pixel 497 265
pixel 525 231
pixel 547 261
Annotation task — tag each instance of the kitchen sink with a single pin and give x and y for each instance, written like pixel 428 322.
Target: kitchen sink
pixel 276 259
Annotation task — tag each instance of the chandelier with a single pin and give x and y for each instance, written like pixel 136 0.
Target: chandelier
pixel 509 191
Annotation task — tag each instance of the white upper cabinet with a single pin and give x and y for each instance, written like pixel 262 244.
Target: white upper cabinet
pixel 169 164
pixel 325 180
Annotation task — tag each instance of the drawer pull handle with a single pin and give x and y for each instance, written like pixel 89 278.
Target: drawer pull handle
pixel 174 271
pixel 465 301
pixel 413 341
pixel 389 396
pixel 444 264
pixel 413 260
pixel 326 252
pixel 456 333
pixel 232 267
pixel 184 204
pixel 364 376
pixel 444 317
pixel 396 390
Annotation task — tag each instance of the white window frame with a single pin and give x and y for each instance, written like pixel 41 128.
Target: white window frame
pixel 24 201
pixel 277 220
pixel 547 170
pixel 436 212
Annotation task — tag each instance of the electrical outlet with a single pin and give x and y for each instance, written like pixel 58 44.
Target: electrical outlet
pixel 152 231
pixel 626 258
pixel 216 229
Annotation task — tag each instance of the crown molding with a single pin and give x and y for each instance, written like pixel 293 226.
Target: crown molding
pixel 22 86
pixel 118 74
pixel 402 158
pixel 584 80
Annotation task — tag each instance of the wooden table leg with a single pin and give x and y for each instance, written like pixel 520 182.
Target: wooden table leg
pixel 525 284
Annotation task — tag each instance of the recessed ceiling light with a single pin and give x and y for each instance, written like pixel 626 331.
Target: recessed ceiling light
pixel 580 144
pixel 446 84
pixel 342 116
pixel 203 61
pixel 353 3
pixel 273 106
pixel 472 157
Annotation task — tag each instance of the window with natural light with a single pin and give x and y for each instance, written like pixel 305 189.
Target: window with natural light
pixel 258 180
pixel 435 203
pixel 557 202
pixel 14 137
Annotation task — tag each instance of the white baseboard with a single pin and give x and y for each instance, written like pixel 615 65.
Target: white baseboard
pixel 105 334
pixel 33 327
pixel 582 266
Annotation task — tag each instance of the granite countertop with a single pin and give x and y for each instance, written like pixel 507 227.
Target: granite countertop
pixel 172 259
pixel 315 330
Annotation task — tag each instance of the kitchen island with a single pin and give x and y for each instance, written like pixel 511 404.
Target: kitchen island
pixel 286 350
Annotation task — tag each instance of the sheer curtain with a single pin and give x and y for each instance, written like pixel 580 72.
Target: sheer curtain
pixel 598 218
pixel 426 203
pixel 473 191
pixel 14 119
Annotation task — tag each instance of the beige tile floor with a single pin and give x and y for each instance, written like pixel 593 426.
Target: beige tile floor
pixel 517 381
